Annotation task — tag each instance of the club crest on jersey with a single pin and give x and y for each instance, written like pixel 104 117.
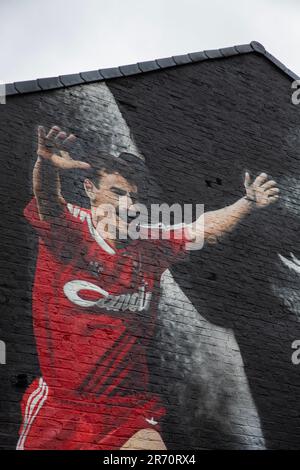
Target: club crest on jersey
pixel 134 301
pixel 95 268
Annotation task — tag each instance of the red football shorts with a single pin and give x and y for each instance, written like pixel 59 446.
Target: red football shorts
pixel 51 423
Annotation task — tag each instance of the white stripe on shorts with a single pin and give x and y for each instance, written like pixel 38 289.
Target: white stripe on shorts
pixel 34 404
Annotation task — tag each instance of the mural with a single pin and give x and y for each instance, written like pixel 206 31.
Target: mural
pixel 101 298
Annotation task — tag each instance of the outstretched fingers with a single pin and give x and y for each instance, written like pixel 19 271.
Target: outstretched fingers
pixel 273 198
pixel 261 179
pixel 66 145
pixel 41 132
pixel 247 180
pixel 56 145
pixel 41 135
pixel 54 131
pixel 46 140
pixel 69 141
pixel 273 191
pixel 60 138
pixel 269 184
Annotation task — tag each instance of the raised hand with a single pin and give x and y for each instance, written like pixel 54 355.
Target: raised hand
pixel 262 191
pixel 54 147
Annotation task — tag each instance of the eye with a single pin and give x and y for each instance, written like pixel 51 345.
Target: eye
pixel 118 191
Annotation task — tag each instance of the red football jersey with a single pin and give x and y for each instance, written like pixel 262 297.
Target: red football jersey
pixel 94 306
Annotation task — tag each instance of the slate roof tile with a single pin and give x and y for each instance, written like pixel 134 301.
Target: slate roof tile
pixel 148 65
pixel 166 62
pixel 131 69
pixel 71 79
pixel 244 48
pixel 10 89
pixel 91 76
pixel 28 86
pixel 198 56
pixel 213 54
pixel 182 59
pixel 49 83
pixel 228 51
pixel 113 72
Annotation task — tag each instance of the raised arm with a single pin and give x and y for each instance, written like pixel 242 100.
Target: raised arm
pixel 260 193
pixel 53 157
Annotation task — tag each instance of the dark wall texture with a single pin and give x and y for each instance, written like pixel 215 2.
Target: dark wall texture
pixel 220 358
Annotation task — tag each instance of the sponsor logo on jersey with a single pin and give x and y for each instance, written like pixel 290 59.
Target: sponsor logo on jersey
pixel 134 301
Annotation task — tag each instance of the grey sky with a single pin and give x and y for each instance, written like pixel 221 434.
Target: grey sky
pixel 41 38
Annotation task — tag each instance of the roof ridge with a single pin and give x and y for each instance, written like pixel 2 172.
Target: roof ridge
pixel 64 81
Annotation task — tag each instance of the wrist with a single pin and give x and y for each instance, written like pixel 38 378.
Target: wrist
pixel 250 199
pixel 251 202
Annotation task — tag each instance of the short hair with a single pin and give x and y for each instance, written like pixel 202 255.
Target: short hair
pixel 128 165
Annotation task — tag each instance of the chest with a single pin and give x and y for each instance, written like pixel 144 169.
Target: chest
pixel 125 269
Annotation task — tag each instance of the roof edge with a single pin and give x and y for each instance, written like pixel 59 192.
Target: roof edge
pixel 65 81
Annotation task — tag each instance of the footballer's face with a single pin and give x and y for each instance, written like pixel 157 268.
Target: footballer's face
pixel 113 189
